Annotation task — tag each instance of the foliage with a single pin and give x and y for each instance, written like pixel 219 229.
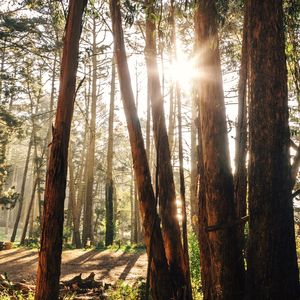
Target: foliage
pixel 9 125
pixel 122 291
pixel 194 256
pixel 128 247
pixel 15 295
pixel 9 198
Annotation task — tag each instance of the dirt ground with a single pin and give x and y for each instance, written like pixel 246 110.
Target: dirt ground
pixel 109 266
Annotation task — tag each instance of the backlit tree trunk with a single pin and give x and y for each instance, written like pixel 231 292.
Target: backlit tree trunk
pixel 182 195
pixel 166 187
pixel 193 185
pixel 240 176
pixel 160 276
pixel 226 266
pixel 52 224
pixel 272 260
pixel 87 232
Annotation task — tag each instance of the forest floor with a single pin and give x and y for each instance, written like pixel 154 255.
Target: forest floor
pixel 109 266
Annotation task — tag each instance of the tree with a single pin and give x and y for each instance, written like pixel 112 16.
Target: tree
pixel 271 257
pixel 160 277
pixel 166 186
pixel 109 186
pixel 87 232
pixel 240 176
pixel 52 224
pixel 226 261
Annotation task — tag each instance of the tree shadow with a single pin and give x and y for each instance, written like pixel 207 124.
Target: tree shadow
pixel 110 264
pixel 82 258
pixel 129 266
pixel 17 255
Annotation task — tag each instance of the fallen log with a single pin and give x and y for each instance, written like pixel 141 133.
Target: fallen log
pixel 78 282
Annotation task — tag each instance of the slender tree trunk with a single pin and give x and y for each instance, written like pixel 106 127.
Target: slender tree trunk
pixel 88 212
pixel 227 271
pixel 72 194
pixel 3 56
pixel 132 211
pixel 193 154
pixel 20 208
pixel 76 201
pixel 182 196
pixel 160 276
pixel 167 196
pixel 81 180
pixel 52 225
pixel 240 176
pixel 272 270
pixel 172 106
pixel 109 186
pixel 29 211
pixel 51 104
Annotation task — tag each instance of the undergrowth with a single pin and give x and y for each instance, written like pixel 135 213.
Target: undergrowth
pixel 123 291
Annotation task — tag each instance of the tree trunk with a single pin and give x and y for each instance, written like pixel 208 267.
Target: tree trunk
pixel 52 224
pixel 272 261
pixel 109 186
pixel 160 276
pixel 88 211
pixel 81 180
pixel 227 271
pixel 14 233
pixel 166 187
pixel 205 262
pixel 182 196
pixel 193 154
pixel 72 195
pixel 172 106
pixel 240 176
pixel 29 211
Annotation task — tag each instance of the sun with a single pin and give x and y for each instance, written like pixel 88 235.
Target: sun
pixel 183 70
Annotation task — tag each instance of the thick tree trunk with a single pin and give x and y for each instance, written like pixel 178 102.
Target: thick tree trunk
pixel 52 224
pixel 109 186
pixel 87 232
pixel 227 271
pixel 272 261
pixel 205 262
pixel 160 276
pixel 166 187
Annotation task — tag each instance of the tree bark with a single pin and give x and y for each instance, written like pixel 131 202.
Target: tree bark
pixel 227 271
pixel 109 186
pixel 272 271
pixel 193 154
pixel 52 225
pixel 160 276
pixel 205 262
pixel 88 211
pixel 166 187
